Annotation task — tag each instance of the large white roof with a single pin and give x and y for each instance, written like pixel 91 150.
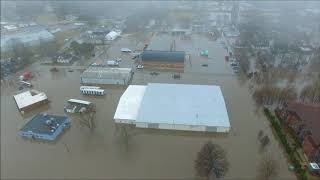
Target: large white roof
pixel 107 73
pixel 184 104
pixel 197 105
pixel 129 103
pixel 27 98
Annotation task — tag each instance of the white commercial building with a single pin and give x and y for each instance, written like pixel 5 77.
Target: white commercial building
pixel 112 35
pixel 103 75
pixel 174 106
pixel 29 98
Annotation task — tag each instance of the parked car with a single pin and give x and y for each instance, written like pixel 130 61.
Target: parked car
pixel 127 50
pixel 135 56
pixel 112 63
pixel 139 66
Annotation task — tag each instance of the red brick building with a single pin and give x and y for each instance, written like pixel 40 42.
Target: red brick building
pixel 304 122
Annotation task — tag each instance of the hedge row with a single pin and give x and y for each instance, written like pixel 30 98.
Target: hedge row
pixel 296 163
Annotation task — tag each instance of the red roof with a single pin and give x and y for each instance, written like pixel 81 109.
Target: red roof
pixel 310 114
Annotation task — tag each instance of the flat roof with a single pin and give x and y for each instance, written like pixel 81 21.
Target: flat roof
pixel 107 73
pixel 183 104
pixel 198 105
pixel 28 98
pixel 129 103
pixel 38 124
pixel 165 56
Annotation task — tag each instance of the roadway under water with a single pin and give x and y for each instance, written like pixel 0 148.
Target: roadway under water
pixel 100 153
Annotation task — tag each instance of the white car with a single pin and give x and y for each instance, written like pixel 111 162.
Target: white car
pixel 112 63
pixel 127 50
pixel 139 66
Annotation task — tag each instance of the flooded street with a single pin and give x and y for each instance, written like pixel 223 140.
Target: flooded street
pixel 82 153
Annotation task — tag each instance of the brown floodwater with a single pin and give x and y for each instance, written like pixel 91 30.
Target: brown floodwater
pixel 101 153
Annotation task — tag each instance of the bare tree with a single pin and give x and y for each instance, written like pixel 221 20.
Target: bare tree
pixel 269 94
pixel 260 134
pixel 48 48
pixel 211 161
pixel 264 141
pixel 268 168
pixel 125 133
pixel 242 56
pixel 311 93
pixel 20 50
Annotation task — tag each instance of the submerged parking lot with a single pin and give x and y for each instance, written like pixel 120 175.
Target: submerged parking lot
pixel 100 153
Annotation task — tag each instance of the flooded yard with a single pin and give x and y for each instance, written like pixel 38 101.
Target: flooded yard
pixel 98 153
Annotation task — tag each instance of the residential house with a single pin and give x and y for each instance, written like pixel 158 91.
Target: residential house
pixel 303 121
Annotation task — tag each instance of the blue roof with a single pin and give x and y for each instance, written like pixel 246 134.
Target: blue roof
pixel 39 124
pixel 166 56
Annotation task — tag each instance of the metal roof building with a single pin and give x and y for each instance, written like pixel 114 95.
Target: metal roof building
pixel 163 56
pixel 103 75
pixel 129 104
pixel 174 106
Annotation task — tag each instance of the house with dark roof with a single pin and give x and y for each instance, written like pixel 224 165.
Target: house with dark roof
pixel 303 121
pixel 164 60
